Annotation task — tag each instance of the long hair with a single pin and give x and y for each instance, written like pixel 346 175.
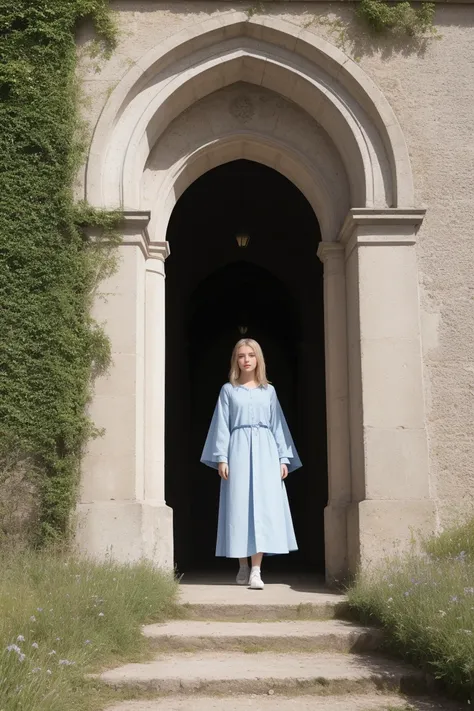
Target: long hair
pixel 260 370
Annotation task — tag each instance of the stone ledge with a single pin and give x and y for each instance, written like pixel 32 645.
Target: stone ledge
pixel 297 636
pixel 380 218
pixel 364 227
pixel 295 599
pixel 369 702
pixel 240 673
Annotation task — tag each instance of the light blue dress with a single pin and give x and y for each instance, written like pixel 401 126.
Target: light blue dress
pixel 249 431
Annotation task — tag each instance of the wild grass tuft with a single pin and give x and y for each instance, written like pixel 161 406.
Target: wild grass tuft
pixel 62 618
pixel 426 605
pixel 455 541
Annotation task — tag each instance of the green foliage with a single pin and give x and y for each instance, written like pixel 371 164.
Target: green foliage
pixel 48 265
pixel 397 17
pixel 455 541
pixel 426 605
pixel 89 614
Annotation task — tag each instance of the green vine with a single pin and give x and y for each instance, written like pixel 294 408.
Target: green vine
pixel 374 23
pixel 397 17
pixel 49 265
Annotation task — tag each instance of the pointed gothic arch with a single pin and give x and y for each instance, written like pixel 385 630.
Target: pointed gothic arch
pixel 368 234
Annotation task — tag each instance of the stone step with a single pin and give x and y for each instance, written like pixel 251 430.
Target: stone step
pixel 240 673
pixel 368 702
pixel 277 601
pixel 300 636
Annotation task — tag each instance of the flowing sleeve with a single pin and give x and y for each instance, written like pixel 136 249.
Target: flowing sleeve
pixel 217 441
pixel 284 441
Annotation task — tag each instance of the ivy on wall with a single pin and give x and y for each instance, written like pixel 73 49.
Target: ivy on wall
pixel 50 346
pixel 397 17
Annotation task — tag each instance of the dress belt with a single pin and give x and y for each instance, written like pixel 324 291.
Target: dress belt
pixel 258 424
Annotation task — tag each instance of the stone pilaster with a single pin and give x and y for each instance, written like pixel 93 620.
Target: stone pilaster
pixel 337 404
pixel 122 512
pixel 389 454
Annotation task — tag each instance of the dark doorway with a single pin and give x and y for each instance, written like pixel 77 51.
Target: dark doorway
pixel 217 292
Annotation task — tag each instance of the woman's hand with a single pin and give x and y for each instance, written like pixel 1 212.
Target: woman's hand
pixel 284 471
pixel 223 470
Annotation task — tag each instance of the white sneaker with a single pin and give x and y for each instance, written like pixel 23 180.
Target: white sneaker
pixel 243 575
pixel 256 582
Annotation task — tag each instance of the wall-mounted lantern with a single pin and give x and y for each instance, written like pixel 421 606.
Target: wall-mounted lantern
pixel 242 239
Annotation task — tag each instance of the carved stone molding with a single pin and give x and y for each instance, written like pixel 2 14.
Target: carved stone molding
pixel 135 233
pixel 380 227
pixel 330 250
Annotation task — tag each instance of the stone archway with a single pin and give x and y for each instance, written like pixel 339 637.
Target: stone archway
pixel 350 161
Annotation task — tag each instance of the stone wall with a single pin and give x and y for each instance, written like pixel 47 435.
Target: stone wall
pixel 430 86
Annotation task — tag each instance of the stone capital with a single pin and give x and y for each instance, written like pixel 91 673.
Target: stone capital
pixel 380 227
pixel 135 233
pixel 157 253
pixel 158 250
pixel 135 220
pixel 330 251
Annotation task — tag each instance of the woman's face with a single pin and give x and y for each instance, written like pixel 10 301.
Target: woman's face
pixel 246 359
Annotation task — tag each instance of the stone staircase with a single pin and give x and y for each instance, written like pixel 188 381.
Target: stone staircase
pixel 285 647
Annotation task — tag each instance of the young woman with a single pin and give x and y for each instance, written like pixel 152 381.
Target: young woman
pixel 250 445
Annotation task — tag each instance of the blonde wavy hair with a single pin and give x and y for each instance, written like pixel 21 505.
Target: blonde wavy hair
pixel 260 370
